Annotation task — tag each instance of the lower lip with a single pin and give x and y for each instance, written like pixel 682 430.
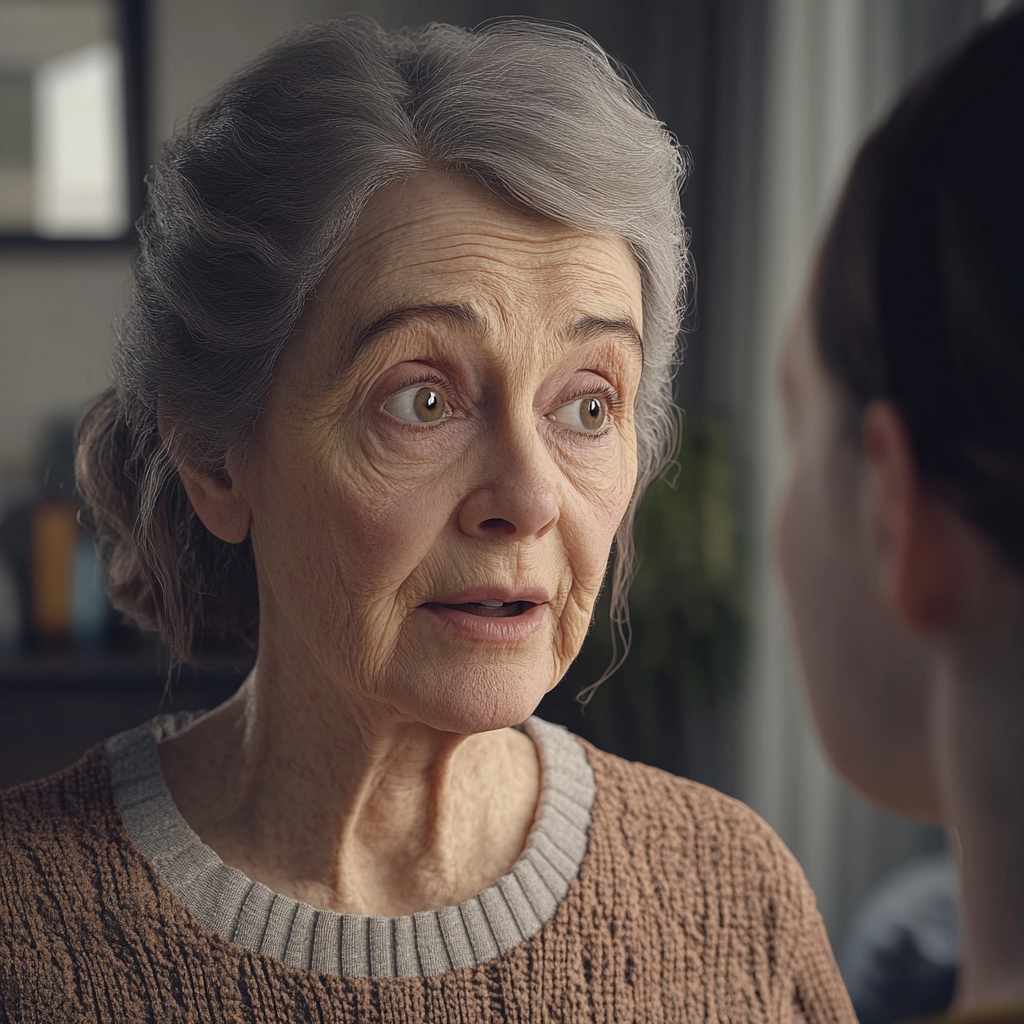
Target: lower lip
pixel 485 627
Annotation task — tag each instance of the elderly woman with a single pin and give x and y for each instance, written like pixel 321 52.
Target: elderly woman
pixel 901 537
pixel 393 377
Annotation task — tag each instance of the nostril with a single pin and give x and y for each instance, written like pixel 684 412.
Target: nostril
pixel 497 526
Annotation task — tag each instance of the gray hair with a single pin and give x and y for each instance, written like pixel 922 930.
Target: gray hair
pixel 254 198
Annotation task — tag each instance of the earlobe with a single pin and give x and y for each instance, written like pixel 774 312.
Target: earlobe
pixel 216 498
pixel 915 550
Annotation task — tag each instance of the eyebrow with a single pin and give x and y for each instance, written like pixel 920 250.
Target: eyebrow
pixel 589 327
pixel 455 314
pixel 586 328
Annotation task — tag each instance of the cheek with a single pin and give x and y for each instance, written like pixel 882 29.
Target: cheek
pixel 813 575
pixel 794 516
pixel 861 680
pixel 590 518
pixel 338 530
pixel 599 493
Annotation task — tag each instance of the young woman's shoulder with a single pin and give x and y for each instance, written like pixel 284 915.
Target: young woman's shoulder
pixel 1011 1013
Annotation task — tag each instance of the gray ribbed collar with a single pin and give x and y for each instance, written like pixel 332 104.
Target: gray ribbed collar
pixel 428 943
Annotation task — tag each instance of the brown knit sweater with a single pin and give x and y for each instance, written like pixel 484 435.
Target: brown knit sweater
pixel 685 907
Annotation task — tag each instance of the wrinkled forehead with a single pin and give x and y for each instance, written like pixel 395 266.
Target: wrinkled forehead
pixel 448 247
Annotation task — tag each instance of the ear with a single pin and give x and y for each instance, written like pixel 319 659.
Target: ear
pixel 916 538
pixel 217 499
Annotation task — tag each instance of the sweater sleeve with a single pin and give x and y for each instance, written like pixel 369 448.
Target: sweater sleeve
pixel 818 995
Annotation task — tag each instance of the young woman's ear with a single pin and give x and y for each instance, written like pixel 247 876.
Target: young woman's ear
pixel 916 537
pixel 216 498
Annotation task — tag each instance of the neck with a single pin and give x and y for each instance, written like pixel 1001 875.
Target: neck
pixel 351 808
pixel 979 745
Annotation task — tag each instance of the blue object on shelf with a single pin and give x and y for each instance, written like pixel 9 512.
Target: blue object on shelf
pixel 89 607
pixel 10 609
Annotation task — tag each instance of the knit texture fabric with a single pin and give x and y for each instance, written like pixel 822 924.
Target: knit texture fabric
pixel 686 907
pixel 431 942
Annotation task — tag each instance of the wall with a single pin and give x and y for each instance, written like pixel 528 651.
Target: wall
pixel 56 306
pixel 55 315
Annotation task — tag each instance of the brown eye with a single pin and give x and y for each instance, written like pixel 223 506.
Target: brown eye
pixel 423 404
pixel 429 405
pixel 592 413
pixel 584 414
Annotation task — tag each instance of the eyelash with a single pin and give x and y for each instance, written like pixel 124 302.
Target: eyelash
pixel 426 380
pixel 605 391
pixel 608 394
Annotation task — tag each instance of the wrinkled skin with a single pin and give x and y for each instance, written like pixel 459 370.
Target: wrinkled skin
pixel 455 414
pixel 373 516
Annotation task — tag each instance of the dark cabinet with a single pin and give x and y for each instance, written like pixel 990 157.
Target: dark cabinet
pixel 53 709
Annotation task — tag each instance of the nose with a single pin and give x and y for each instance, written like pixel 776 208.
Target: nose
pixel 517 495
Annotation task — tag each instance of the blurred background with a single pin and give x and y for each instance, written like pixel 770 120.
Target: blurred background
pixel 770 98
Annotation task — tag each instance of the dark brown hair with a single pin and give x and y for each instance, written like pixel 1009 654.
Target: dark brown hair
pixel 919 291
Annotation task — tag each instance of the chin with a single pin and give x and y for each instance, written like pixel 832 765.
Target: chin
pixel 896 779
pixel 899 802
pixel 482 700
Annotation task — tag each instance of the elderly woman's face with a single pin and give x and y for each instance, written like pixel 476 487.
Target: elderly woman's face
pixel 444 457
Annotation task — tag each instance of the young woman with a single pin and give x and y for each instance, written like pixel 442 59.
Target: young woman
pixel 901 536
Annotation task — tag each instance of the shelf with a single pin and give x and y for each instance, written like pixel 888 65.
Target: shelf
pixel 107 673
pixel 54 707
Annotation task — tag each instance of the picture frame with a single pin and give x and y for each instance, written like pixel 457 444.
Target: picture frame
pixel 73 122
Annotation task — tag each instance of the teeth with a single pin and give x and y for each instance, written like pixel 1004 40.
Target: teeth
pixel 490 604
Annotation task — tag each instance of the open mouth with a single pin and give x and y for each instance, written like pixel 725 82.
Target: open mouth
pixel 493 609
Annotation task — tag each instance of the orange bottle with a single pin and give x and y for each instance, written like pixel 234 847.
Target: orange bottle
pixel 55 536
